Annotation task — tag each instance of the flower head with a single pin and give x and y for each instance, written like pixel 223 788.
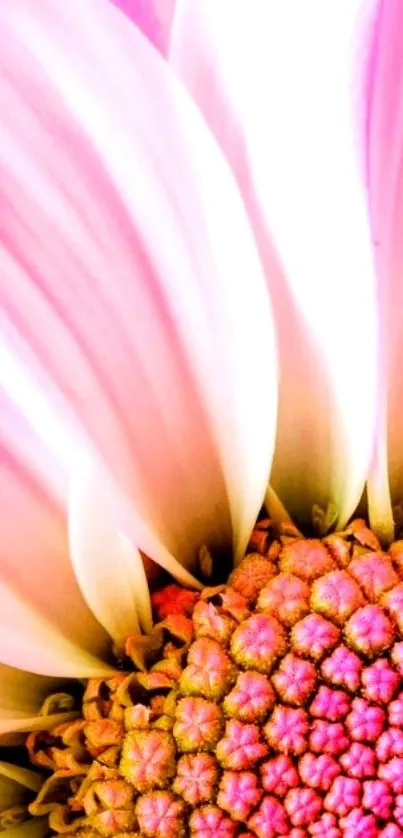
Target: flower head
pixel 161 243
pixel 298 746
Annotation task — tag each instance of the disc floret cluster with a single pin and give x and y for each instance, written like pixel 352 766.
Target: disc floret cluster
pixel 268 706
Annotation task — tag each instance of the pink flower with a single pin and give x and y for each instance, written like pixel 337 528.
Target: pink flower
pixel 170 224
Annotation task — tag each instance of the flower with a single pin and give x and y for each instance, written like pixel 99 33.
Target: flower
pixel 275 707
pixel 134 291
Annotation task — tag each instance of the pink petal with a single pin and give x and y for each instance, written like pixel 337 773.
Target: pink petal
pixel 384 159
pixel 129 255
pixel 28 640
pixel 275 87
pixel 20 437
pixel 45 625
pixel 41 442
pixel 153 17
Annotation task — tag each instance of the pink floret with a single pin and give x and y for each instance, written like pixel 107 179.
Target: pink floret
pixel 286 597
pixel 210 822
pixel 159 815
pixel 325 827
pixel 307 558
pixel 314 636
pixel 392 772
pixel 390 744
pixel 286 730
pixel 279 775
pixel 343 796
pixel 318 771
pixel 375 573
pixel 395 711
pixel 303 806
pixel 365 722
pixel 196 778
pixel 251 698
pixel 208 622
pixel 258 642
pixel 241 746
pixel 330 704
pixel 336 595
pixel 343 668
pixel 380 681
pixel 369 630
pixel 391 831
pixel 239 793
pixel 359 761
pixel 398 810
pixel 359 825
pixel 328 737
pixel 377 798
pixel 393 601
pixel 198 723
pixel 295 679
pixel 270 820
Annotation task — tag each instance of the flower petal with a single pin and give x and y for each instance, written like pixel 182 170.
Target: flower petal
pixel 29 641
pixel 153 17
pixel 34 828
pixel 384 168
pixel 110 573
pixel 275 86
pixel 130 255
pixel 11 791
pixel 15 785
pixel 22 694
pixel 18 726
pixel 23 776
pixel 36 577
pixel 43 442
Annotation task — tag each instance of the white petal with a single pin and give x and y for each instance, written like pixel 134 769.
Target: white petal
pixel 275 86
pixel 141 592
pixel 110 573
pixel 138 251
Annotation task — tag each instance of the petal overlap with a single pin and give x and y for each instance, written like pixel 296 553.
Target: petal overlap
pixel 276 87
pixel 130 254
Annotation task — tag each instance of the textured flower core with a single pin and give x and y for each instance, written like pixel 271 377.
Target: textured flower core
pixel 269 706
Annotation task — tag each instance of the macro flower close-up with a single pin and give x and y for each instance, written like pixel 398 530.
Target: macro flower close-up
pixel 201 460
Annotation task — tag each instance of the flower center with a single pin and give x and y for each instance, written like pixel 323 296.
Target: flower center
pixel 269 706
